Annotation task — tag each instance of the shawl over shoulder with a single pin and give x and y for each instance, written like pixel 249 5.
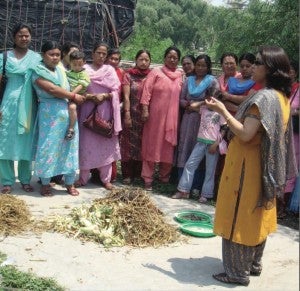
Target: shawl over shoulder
pixel 277 150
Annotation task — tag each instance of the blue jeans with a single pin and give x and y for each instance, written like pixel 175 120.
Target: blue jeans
pixel 186 180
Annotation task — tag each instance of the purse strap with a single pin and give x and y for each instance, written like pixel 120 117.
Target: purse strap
pixel 4 63
pixel 96 106
pixel 3 70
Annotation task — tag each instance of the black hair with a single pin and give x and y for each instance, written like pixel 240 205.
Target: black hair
pixel 173 48
pixel 49 45
pixel 295 65
pixel 20 26
pixel 100 44
pixel 207 60
pixel 66 47
pixel 114 51
pixel 191 57
pixel 228 55
pixel 248 57
pixel 141 52
pixel 77 55
pixel 277 66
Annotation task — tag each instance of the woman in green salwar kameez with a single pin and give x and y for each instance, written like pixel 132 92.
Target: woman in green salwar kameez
pixel 18 112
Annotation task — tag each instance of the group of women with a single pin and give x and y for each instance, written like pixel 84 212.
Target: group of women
pixel 34 129
pixel 260 157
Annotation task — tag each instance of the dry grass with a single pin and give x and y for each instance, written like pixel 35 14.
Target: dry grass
pixel 127 216
pixel 14 215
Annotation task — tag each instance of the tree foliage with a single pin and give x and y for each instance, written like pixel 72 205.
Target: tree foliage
pixel 196 26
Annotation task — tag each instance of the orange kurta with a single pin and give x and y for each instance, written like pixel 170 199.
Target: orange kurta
pixel 237 216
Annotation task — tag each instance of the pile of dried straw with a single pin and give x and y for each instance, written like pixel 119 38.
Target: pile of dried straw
pixel 127 216
pixel 14 215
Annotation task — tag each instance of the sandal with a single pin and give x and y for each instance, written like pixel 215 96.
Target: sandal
pixel 78 184
pixel 181 195
pixel 223 277
pixel 70 134
pixel 148 186
pixel 46 191
pixel 27 187
pixel 6 189
pixel 203 200
pixel 72 190
pixel 126 181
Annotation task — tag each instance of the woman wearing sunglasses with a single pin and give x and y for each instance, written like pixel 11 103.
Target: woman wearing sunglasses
pixel 260 158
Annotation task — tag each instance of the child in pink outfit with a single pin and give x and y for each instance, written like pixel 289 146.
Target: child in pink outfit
pixel 208 142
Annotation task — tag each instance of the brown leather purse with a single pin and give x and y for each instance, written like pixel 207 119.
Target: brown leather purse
pixel 99 125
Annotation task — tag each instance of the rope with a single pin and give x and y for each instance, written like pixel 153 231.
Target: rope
pixel 26 13
pixel 6 28
pixel 81 31
pixel 64 22
pixel 80 34
pixel 99 16
pixel 113 28
pixel 36 26
pixel 51 21
pixel 20 9
pixel 42 36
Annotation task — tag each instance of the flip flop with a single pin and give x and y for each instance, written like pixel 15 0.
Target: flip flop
pixel 223 277
pixel 27 187
pixel 72 190
pixel 6 189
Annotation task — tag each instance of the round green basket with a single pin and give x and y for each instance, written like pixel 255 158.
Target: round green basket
pixel 193 216
pixel 197 229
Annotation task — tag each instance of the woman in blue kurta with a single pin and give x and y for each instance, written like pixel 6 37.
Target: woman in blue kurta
pixel 55 155
pixel 17 112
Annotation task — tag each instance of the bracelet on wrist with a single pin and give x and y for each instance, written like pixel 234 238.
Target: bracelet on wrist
pixel 73 96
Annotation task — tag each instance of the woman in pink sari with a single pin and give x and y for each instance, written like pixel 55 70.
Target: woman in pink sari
pixel 96 151
pixel 160 107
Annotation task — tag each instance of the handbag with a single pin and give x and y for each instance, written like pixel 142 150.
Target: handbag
pixel 4 77
pixel 99 125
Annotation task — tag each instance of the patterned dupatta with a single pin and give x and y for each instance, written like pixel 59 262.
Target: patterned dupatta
pixel 277 150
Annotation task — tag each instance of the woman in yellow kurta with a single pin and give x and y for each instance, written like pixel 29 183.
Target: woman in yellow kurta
pixel 255 168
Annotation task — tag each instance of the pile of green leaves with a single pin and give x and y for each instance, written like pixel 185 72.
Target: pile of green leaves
pixel 11 278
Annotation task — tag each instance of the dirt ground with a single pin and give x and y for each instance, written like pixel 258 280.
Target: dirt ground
pixel 180 266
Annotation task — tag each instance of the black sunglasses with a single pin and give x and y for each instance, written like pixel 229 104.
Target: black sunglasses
pixel 258 62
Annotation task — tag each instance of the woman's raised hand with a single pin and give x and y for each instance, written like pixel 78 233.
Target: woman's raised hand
pixel 216 105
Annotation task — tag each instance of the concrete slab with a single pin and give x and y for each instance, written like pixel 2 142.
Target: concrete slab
pixel 179 266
